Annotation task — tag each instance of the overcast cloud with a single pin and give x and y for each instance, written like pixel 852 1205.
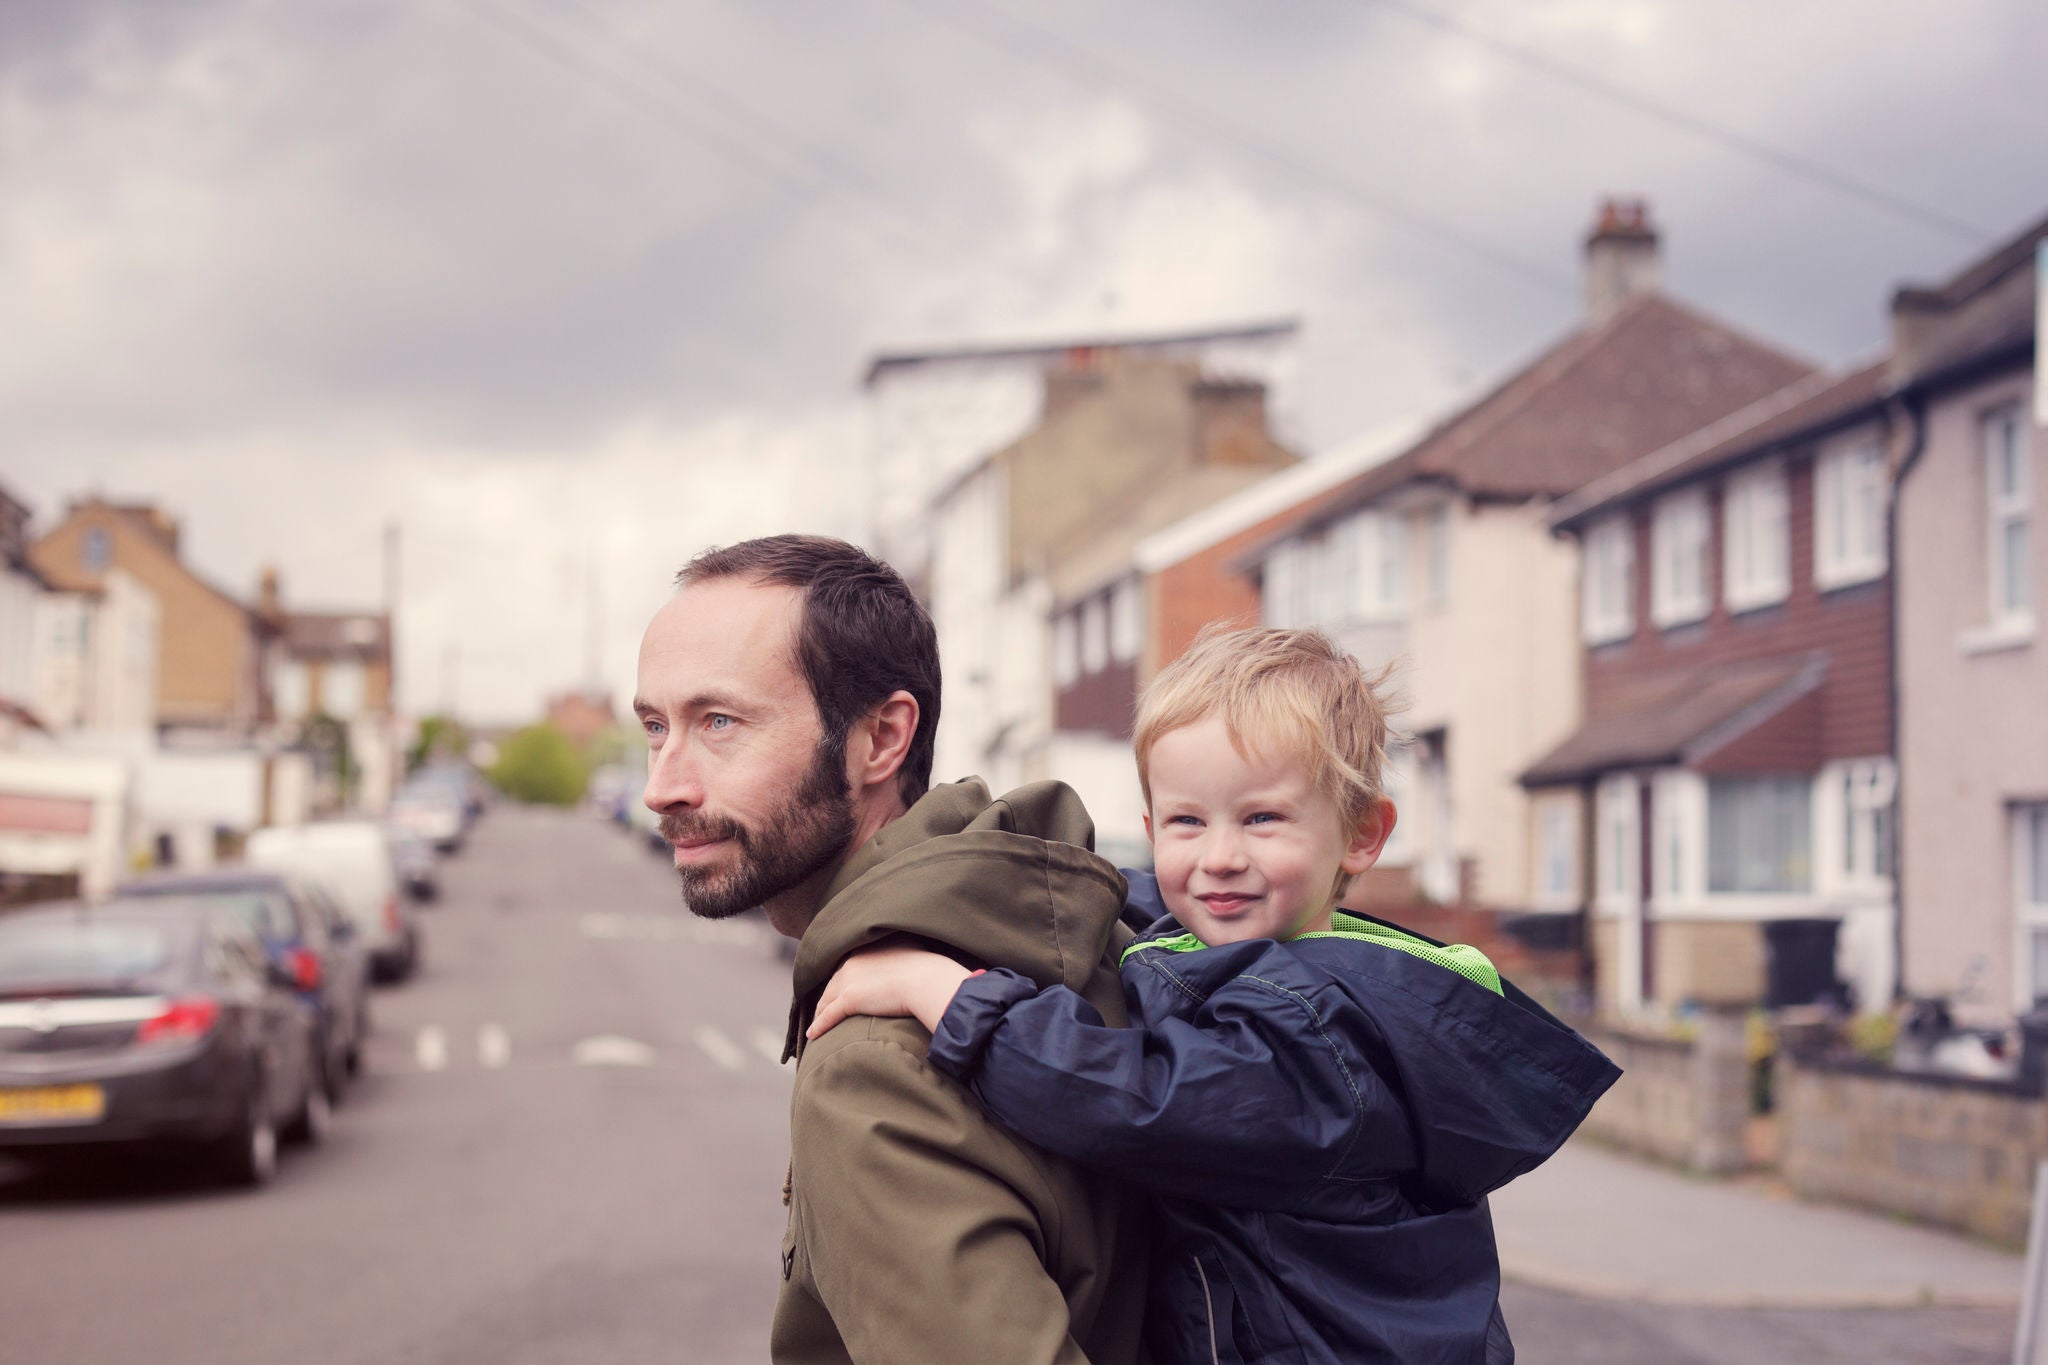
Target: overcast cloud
pixel 571 288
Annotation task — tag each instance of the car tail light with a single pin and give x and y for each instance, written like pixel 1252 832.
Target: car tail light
pixel 391 920
pixel 305 966
pixel 181 1022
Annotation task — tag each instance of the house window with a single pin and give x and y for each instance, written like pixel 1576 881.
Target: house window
pixel 1674 851
pixel 1618 851
pixel 1868 788
pixel 1848 512
pixel 97 551
pixel 1755 513
pixel 1066 648
pixel 1436 541
pixel 1678 558
pixel 1126 621
pixel 290 691
pixel 1606 590
pixel 1759 835
pixel 1338 595
pixel 2010 511
pixel 2030 896
pixel 1280 586
pixel 1094 635
pixel 1387 579
pixel 1557 851
pixel 341 689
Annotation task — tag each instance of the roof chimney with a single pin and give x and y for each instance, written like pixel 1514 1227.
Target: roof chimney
pixel 1621 257
pixel 270 594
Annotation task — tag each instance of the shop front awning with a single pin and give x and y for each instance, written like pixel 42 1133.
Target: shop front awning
pixel 1682 718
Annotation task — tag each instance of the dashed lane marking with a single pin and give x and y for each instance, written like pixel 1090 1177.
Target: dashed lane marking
pixel 493 1046
pixel 612 1050
pixel 430 1049
pixel 720 1048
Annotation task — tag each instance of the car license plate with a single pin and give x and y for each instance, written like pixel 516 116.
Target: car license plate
pixel 53 1104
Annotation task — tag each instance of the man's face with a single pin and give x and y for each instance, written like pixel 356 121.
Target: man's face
pixel 747 799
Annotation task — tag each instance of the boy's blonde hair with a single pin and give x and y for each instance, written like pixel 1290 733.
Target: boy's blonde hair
pixel 1286 693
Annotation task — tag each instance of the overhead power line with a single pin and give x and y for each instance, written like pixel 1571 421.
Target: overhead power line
pixel 1804 168
pixel 731 129
pixel 1021 39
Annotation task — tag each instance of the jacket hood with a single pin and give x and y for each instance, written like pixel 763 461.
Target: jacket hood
pixel 1008 881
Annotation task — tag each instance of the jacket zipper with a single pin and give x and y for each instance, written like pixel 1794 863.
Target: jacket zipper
pixel 1209 1307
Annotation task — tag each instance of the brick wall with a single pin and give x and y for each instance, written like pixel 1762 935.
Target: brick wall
pixel 1685 1101
pixel 1942 1149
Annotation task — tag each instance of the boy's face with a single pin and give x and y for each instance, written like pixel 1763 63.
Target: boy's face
pixel 1245 846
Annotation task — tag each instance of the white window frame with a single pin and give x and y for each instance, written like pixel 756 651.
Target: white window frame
pixel 1756 539
pixel 1679 591
pixel 1850 494
pixel 1385 544
pixel 1280 584
pixel 1126 622
pixel 1607 581
pixel 2029 824
pixel 1784 895
pixel 1436 553
pixel 1094 635
pixel 1066 648
pixel 2008 509
pixel 1860 815
pixel 1678 877
pixel 1557 851
pixel 1618 844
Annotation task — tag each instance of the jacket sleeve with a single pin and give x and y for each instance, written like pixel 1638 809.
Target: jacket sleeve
pixel 1243 1105
pixel 921 1221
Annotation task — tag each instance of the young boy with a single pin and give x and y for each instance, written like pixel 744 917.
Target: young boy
pixel 1320 1101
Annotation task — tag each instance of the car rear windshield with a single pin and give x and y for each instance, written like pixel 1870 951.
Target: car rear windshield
pixel 79 953
pixel 261 908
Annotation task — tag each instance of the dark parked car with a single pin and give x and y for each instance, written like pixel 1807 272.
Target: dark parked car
pixel 152 1023
pixel 305 933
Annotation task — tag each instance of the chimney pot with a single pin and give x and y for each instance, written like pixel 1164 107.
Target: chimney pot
pixel 1621 256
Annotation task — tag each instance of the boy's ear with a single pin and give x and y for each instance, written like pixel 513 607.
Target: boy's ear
pixel 1147 817
pixel 1370 838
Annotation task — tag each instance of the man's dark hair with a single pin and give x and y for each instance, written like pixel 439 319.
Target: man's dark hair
pixel 863 634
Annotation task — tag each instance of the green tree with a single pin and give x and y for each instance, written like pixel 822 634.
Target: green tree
pixel 441 736
pixel 539 765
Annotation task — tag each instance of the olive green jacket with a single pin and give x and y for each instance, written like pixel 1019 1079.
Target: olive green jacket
pixel 920 1230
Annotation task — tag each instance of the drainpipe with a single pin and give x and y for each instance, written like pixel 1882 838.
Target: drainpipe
pixel 1905 414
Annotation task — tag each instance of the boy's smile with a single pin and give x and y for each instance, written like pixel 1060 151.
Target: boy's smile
pixel 1244 844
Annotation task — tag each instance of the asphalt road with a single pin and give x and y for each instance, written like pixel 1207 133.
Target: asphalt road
pixel 568 1146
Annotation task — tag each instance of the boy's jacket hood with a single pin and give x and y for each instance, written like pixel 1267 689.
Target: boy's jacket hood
pixel 1007 882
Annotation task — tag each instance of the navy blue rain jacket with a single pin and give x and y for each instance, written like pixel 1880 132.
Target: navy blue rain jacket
pixel 1321 1121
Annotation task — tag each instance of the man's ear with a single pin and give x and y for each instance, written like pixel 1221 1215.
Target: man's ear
pixel 1369 840
pixel 880 743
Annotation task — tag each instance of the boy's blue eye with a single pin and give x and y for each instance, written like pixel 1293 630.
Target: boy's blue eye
pixel 1262 817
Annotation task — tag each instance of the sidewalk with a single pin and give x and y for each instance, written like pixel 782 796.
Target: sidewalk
pixel 1592 1221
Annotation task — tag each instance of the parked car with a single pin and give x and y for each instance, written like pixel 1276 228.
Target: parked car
pixel 352 861
pixel 418 871
pixel 152 1024
pixel 304 932
pixel 434 812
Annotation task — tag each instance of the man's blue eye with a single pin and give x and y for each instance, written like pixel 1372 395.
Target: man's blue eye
pixel 717 722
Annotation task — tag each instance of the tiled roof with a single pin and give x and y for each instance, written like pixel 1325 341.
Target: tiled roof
pixel 1664 718
pixel 338 634
pixel 1979 314
pixel 1800 411
pixel 1654 371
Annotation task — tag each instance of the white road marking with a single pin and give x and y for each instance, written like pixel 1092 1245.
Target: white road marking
pixel 493 1046
pixel 769 1043
pixel 612 1050
pixel 720 1048
pixel 430 1049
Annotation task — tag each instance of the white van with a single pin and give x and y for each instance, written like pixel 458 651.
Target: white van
pixel 352 860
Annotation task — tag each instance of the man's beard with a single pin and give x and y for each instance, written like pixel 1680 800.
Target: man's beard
pixel 806 833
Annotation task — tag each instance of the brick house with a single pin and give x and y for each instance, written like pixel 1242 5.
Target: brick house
pixel 211 673
pixel 1734 765
pixel 1040 615
pixel 1972 665
pixel 1440 561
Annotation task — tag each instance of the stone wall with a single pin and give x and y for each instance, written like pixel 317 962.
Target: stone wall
pixel 1942 1149
pixel 1681 1100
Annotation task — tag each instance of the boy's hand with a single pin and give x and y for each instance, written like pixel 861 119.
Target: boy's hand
pixel 890 983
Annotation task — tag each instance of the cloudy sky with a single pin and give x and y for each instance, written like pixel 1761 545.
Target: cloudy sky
pixel 571 288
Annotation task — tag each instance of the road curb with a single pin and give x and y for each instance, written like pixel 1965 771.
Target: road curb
pixel 1537 1276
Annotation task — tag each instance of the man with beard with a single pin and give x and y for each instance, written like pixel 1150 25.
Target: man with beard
pixel 790 694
